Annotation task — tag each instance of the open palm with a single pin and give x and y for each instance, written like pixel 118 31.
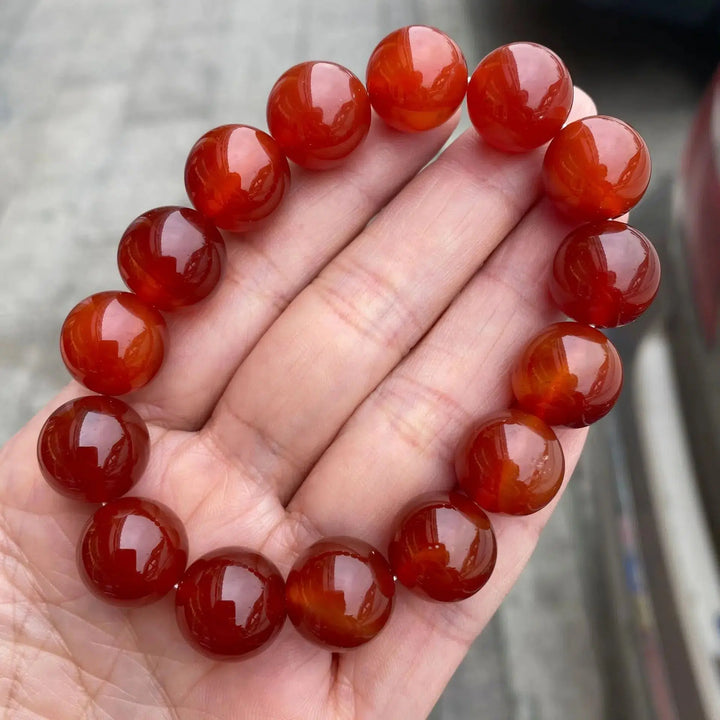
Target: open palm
pixel 323 385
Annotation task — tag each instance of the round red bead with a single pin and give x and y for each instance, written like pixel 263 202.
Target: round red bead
pixel 416 78
pixel 132 551
pixel 93 448
pixel 596 168
pixel 230 603
pixel 443 547
pixel 519 96
pixel 318 112
pixel 570 374
pixel 340 592
pixel 235 176
pixel 113 342
pixel 605 274
pixel 511 462
pixel 171 257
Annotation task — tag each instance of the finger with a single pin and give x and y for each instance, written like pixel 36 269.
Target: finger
pixel 343 501
pixel 268 267
pixel 208 340
pixel 363 313
pixel 424 642
pixel 46 608
pixel 401 442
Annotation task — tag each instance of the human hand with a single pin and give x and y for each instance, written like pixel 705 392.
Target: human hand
pixel 325 383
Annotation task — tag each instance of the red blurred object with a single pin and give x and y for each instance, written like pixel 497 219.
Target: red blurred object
pixel 701 210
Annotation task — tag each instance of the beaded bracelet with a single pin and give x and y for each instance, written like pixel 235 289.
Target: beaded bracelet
pixel 134 551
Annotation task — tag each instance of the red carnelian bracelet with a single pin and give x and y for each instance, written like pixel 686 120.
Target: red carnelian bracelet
pixel 134 550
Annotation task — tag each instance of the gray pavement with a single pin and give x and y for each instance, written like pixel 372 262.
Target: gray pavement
pixel 99 103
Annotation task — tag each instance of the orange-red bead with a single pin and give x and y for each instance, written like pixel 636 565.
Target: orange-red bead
pixel 340 593
pixel 236 176
pixel 416 78
pixel 113 342
pixel 318 112
pixel 93 448
pixel 443 547
pixel 132 551
pixel 569 374
pixel 605 274
pixel 171 257
pixel 596 168
pixel 230 603
pixel 519 96
pixel 511 462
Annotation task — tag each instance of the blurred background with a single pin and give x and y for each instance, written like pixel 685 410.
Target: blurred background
pixel 618 613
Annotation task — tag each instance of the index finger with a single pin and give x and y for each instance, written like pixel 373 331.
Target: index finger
pixel 266 268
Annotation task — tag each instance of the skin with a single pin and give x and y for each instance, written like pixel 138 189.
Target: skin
pixel 325 383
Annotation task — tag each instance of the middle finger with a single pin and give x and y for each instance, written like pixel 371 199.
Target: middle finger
pixel 342 335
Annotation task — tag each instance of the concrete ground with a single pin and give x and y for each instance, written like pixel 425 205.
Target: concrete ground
pixel 99 102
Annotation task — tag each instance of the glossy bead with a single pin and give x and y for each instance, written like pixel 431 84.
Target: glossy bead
pixel 235 176
pixel 596 168
pixel 230 603
pixel 416 78
pixel 132 551
pixel 511 462
pixel 569 374
pixel 519 97
pixel 605 274
pixel 318 112
pixel 340 593
pixel 443 547
pixel 171 257
pixel 93 448
pixel 113 342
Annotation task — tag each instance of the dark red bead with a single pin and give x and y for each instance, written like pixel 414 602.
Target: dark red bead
pixel 605 274
pixel 132 551
pixel 235 176
pixel 443 547
pixel 416 78
pixel 340 593
pixel 113 342
pixel 569 374
pixel 519 96
pixel 596 168
pixel 171 257
pixel 318 112
pixel 511 462
pixel 93 448
pixel 230 603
